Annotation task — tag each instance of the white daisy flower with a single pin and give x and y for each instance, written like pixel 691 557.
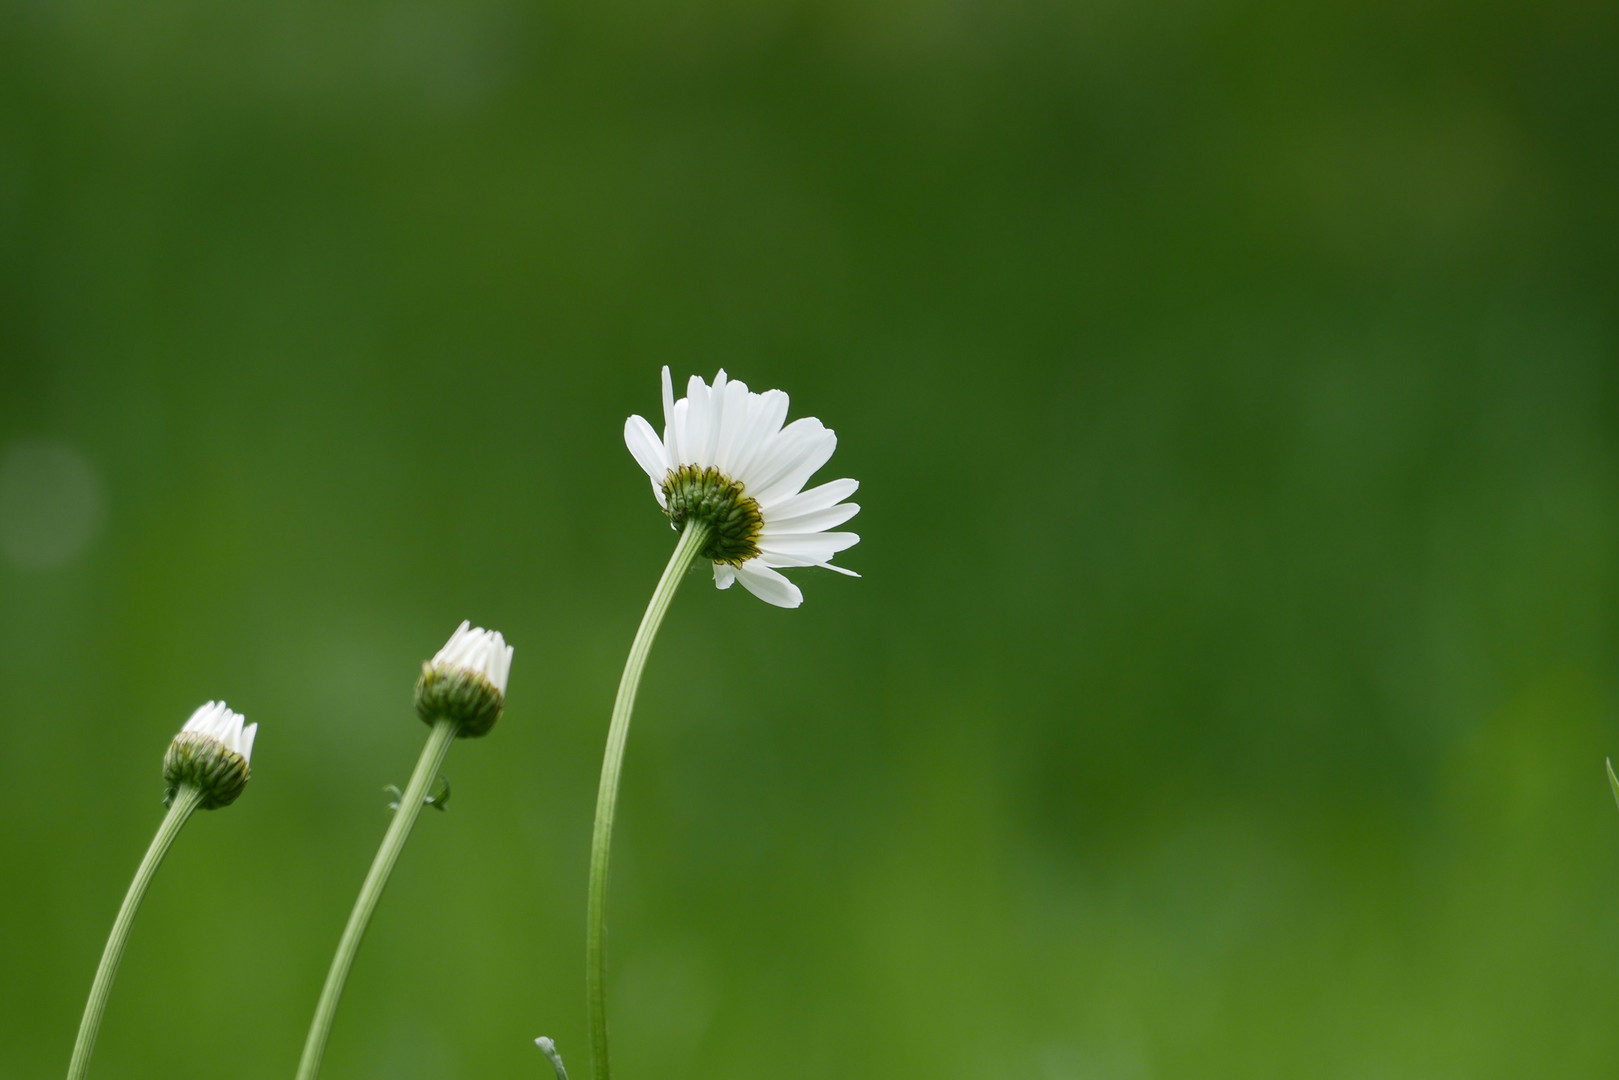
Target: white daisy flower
pixel 212 753
pixel 725 458
pixel 466 680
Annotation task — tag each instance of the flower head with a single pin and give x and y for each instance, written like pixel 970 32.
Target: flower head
pixel 726 460
pixel 211 752
pixel 466 680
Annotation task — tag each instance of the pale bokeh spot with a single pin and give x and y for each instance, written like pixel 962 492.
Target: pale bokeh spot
pixel 50 504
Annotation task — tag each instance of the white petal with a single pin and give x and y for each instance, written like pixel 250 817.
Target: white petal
pixel 668 400
pixel 249 733
pixel 483 652
pixel 815 546
pixel 699 414
pixel 804 549
pixel 737 412
pixel 646 448
pixel 209 719
pixel 793 482
pixel 724 575
pixel 504 669
pixel 768 585
pixel 815 498
pixel 804 446
pixel 779 454
pixel 217 721
pixel 674 439
pixel 797 543
pixel 812 522
pixel 822 560
pixel 455 648
pixel 778 560
pixel 717 400
pixel 766 411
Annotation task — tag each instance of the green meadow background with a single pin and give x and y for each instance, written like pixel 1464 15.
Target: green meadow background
pixel 1234 391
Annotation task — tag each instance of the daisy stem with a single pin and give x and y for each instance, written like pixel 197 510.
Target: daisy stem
pixel 186 800
pixel 393 842
pixel 692 541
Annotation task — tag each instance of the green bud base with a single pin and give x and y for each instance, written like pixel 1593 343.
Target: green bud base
pixel 468 700
pixel 207 764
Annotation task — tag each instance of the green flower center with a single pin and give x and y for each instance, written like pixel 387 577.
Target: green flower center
pixel 708 495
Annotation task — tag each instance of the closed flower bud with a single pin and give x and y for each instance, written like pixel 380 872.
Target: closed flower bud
pixel 211 753
pixel 466 682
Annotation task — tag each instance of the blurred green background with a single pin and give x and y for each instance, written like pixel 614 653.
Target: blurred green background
pixel 1234 389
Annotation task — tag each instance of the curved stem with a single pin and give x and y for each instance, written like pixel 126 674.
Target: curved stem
pixel 186 800
pixel 393 842
pixel 696 534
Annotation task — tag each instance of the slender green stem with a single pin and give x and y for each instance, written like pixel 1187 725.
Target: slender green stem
pixel 393 842
pixel 696 534
pixel 186 800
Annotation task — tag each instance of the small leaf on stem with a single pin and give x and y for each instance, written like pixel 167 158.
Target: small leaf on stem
pixel 549 1049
